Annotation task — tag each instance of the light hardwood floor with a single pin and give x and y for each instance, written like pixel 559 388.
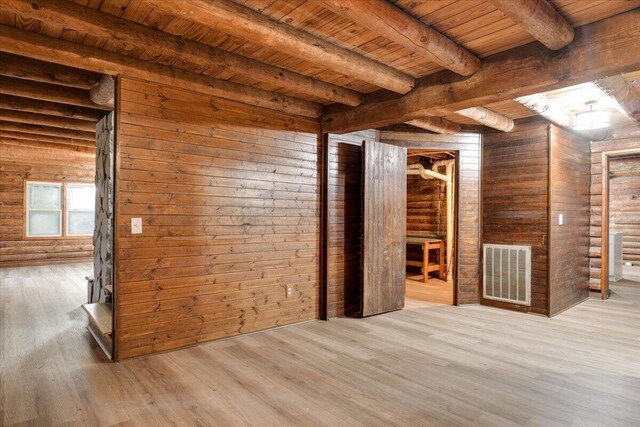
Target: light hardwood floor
pixel 434 291
pixel 438 365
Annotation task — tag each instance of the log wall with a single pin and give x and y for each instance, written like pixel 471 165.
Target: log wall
pixel 22 161
pixel 624 200
pixel 229 201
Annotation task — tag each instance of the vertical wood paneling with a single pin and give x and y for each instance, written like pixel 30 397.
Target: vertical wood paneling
pixel 384 227
pixel 229 201
pixel 622 191
pixel 345 222
pixel 570 176
pixel 21 161
pixel 468 145
pixel 515 200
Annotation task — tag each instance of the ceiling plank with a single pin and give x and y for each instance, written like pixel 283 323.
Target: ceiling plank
pixel 48 92
pixel 624 94
pixel 540 19
pixel 600 49
pixel 16 103
pixel 30 69
pixel 25 136
pixel 59 51
pixel 43 119
pixel 241 21
pixel 488 118
pixel 47 131
pixel 436 124
pixel 387 20
pixel 100 24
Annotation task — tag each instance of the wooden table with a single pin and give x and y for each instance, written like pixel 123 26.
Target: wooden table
pixel 428 244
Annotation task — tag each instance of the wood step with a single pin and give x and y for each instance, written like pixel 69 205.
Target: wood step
pixel 101 316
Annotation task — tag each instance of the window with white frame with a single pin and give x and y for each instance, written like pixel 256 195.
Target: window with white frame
pixel 44 209
pixel 80 207
pixel 59 210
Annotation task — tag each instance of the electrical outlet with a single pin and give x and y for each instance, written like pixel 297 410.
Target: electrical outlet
pixel 560 219
pixel 289 290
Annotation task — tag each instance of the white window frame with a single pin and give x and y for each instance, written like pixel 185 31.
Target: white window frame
pixel 68 210
pixel 28 208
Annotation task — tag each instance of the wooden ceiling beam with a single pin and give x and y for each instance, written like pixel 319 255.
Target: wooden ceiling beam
pixel 47 131
pixel 29 105
pixel 25 136
pixel 625 95
pixel 45 120
pixel 540 19
pixel 48 92
pixel 104 92
pixel 59 51
pixel 246 23
pixel 436 124
pixel 82 18
pixel 602 48
pixel 488 118
pixel 387 20
pixel 542 105
pixel 20 67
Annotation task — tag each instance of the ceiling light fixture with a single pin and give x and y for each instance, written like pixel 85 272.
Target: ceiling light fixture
pixel 592 119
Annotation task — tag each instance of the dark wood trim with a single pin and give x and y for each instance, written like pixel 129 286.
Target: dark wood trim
pixel 323 160
pixel 116 200
pixel 549 217
pixel 604 227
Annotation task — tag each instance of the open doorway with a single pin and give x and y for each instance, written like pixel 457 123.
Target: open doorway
pixel 431 207
pixel 621 222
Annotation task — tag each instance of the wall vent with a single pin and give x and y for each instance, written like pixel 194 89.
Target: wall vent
pixel 507 273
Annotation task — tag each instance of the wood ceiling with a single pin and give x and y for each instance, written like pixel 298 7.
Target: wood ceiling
pixel 478 27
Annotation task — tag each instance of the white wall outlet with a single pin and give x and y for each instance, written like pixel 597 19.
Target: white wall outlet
pixel 289 290
pixel 136 225
pixel 560 219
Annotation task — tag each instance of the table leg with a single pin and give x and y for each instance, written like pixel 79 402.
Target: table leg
pixel 425 262
pixel 443 271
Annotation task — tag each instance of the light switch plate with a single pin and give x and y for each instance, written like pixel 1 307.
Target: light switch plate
pixel 560 219
pixel 136 225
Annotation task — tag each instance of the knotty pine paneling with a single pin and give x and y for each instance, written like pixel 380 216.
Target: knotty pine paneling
pixel 515 200
pixel 624 200
pixel 229 201
pixel 345 222
pixel 21 161
pixel 468 145
pixel 570 172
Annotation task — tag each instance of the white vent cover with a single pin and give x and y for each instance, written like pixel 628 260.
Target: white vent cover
pixel 507 273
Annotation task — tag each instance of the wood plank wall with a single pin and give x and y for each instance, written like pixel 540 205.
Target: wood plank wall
pixel 230 207
pixel 570 178
pixel 345 222
pixel 621 188
pixel 515 199
pixel 21 161
pixel 468 145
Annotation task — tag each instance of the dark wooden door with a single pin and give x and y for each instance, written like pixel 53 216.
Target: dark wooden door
pixel 384 211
